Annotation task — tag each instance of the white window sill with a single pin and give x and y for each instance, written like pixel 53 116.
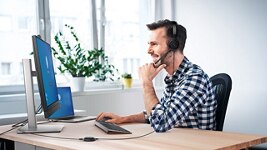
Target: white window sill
pixel 110 90
pixel 91 88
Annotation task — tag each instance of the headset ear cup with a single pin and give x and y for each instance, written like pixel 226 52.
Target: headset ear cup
pixel 173 44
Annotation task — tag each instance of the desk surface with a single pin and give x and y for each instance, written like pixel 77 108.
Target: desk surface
pixel 176 138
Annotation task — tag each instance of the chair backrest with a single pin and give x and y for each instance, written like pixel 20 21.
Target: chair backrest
pixel 222 83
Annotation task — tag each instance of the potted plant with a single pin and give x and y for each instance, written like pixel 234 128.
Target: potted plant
pixel 107 72
pixel 127 80
pixel 74 59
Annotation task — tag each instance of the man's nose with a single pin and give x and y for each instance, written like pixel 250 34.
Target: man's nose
pixel 149 50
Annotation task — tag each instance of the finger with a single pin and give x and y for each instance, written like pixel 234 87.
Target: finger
pixel 109 115
pixel 97 117
pixel 160 68
pixel 111 120
pixel 100 116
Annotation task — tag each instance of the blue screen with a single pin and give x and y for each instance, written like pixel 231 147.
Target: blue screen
pixel 66 105
pixel 47 71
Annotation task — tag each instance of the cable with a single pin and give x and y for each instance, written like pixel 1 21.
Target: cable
pixel 173 74
pixel 92 139
pixel 39 109
pixel 14 126
pixel 126 138
pixel 57 137
pixel 23 122
pixel 8 130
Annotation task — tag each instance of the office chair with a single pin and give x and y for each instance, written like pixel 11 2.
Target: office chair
pixel 222 83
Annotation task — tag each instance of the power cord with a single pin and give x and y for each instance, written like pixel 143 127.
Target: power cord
pixel 173 74
pixel 92 139
pixel 8 130
pixel 127 138
pixel 23 122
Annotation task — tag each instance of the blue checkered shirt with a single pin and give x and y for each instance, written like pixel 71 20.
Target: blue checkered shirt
pixel 188 101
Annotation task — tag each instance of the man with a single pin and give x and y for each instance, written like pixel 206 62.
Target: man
pixel 188 99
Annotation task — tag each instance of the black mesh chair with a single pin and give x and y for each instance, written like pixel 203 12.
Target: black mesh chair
pixel 222 83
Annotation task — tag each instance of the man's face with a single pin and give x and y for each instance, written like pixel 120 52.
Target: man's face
pixel 157 43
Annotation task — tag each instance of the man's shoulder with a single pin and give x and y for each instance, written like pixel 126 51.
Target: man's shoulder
pixel 196 72
pixel 191 68
pixel 191 71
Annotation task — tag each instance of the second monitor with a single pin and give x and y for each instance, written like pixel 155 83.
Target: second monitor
pixel 47 87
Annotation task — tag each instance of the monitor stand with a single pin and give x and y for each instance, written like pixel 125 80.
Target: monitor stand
pixel 32 127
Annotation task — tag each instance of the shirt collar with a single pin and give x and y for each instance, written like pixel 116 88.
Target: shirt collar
pixel 179 72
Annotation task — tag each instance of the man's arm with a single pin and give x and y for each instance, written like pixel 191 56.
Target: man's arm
pixel 150 97
pixel 122 119
pixel 135 118
pixel 147 73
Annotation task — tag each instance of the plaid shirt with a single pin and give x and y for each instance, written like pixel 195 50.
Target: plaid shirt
pixel 188 101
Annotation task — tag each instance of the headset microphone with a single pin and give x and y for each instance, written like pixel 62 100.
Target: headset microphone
pixel 159 61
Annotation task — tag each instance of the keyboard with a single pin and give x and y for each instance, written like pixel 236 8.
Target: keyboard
pixel 111 128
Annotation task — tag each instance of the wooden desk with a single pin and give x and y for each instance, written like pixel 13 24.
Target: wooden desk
pixel 178 138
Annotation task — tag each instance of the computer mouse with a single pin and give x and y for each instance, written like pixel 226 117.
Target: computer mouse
pixel 105 119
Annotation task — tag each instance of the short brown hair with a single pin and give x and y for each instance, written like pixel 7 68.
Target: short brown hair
pixel 180 35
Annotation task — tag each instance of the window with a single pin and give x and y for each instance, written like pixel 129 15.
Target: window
pixel 124 23
pixel 23 23
pixel 15 45
pixel 125 43
pixel 5 23
pixel 75 13
pixel 5 67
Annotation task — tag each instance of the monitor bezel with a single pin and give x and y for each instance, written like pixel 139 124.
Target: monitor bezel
pixel 48 110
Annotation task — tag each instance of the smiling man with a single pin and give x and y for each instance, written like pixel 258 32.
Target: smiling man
pixel 188 99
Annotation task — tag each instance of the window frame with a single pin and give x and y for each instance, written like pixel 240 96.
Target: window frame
pixel 44 29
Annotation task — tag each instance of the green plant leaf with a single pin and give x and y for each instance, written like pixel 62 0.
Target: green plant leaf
pixel 77 61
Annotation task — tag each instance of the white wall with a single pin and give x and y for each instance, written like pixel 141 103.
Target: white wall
pixel 231 36
pixel 121 102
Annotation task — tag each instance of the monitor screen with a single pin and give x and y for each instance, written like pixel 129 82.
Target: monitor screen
pixel 66 106
pixel 45 75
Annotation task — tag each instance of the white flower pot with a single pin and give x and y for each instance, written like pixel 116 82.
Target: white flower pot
pixel 77 84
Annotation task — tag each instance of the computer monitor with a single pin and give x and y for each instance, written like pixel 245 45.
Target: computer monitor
pixel 45 76
pixel 47 87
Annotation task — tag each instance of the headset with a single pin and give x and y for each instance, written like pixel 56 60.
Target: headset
pixel 173 44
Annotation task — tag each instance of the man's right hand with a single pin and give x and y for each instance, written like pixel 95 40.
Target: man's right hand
pixel 148 72
pixel 113 118
pixel 136 118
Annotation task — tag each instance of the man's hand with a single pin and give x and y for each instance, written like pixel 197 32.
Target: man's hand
pixel 113 118
pixel 147 72
pixel 119 119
